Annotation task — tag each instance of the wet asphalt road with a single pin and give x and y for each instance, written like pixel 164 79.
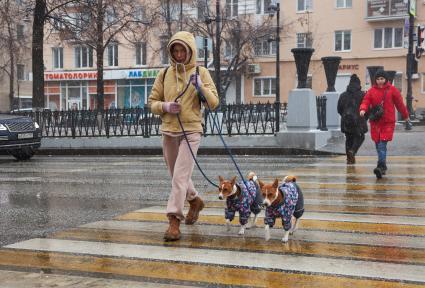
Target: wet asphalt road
pixel 47 194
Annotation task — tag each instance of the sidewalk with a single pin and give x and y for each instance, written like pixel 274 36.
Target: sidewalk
pixel 404 143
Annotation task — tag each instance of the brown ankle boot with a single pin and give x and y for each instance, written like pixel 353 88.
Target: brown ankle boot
pixel 173 231
pixel 196 205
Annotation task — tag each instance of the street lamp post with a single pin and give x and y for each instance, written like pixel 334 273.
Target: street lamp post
pixel 217 63
pixel 276 7
pixel 410 62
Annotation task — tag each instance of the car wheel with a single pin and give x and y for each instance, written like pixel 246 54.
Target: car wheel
pixel 24 153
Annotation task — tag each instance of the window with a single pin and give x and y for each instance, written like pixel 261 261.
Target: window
pixel 83 56
pixel 113 54
pixel 304 40
pixel 231 8
pixel 265 47
pixel 343 40
pixel 344 4
pixel 304 5
pixel 200 44
pixel 20 31
pixel 202 10
pixel 229 51
pixel 140 53
pixel 398 81
pixel 139 14
pixel 163 53
pixel 20 72
pixel 110 16
pixel 57 53
pixel 264 87
pixel 263 6
pixel 388 38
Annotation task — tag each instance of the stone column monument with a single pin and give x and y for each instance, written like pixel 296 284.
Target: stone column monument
pixel 331 65
pixel 372 71
pixel 302 112
pixel 391 74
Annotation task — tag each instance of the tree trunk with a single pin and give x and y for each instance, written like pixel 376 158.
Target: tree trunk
pixel 37 55
pixel 99 55
pixel 12 66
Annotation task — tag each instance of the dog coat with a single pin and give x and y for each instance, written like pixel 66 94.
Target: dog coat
pixel 245 204
pixel 284 209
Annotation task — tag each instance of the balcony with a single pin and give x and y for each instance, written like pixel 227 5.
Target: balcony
pixel 383 10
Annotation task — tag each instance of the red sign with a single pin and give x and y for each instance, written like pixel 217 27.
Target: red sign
pixel 57 76
pixel 348 67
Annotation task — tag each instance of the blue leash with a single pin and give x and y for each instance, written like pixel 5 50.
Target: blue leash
pixel 203 99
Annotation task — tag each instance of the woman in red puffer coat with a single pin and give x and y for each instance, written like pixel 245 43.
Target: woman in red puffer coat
pixel 382 130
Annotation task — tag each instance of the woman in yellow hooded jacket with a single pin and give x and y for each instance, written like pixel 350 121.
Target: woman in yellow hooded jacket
pixel 170 83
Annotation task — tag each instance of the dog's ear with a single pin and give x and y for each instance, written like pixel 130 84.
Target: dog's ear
pixel 275 183
pixel 261 183
pixel 233 181
pixel 221 179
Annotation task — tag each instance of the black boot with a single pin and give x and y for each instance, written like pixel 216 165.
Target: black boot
pixel 350 157
pixel 378 172
pixel 384 169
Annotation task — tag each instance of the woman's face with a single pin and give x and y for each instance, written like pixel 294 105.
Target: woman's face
pixel 380 81
pixel 179 53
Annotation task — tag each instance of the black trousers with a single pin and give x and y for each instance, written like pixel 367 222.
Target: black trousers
pixel 353 142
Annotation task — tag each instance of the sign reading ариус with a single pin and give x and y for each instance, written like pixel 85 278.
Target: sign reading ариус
pixel 107 74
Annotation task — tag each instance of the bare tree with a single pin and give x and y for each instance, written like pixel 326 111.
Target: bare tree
pixel 239 34
pixel 12 43
pixel 98 24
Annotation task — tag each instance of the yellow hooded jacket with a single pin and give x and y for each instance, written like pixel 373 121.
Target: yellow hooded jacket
pixel 176 79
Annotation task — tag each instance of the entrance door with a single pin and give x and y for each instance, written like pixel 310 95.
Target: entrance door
pixel 74 98
pixel 341 82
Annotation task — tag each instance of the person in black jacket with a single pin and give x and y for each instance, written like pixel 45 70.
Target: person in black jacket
pixel 352 125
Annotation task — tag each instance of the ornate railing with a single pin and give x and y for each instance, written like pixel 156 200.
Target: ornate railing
pixel 232 119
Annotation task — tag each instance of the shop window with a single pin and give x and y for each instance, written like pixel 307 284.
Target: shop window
pixel 264 87
pixel 343 40
pixel 20 31
pixel 202 10
pixel 83 56
pixel 398 81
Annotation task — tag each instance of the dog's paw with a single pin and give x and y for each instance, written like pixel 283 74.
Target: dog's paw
pixel 285 237
pixel 228 226
pixel 267 233
pixel 241 231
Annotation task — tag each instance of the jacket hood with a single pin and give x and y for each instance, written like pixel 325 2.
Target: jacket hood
pixel 354 84
pixel 188 41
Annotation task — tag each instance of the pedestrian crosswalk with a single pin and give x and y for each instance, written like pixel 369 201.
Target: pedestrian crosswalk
pixel 356 232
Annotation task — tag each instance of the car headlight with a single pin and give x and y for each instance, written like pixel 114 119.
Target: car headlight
pixel 36 125
pixel 2 127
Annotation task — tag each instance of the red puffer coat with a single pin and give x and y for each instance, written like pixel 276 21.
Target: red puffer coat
pixel 383 129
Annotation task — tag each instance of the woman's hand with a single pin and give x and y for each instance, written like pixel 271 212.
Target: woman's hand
pixel 362 112
pixel 171 107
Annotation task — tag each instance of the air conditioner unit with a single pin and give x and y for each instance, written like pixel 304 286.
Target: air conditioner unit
pixel 254 69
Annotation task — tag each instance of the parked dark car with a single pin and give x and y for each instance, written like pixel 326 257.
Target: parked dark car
pixel 20 136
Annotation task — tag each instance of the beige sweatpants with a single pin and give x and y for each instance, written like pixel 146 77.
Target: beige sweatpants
pixel 180 165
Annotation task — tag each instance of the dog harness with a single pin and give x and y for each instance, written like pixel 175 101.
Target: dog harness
pixel 246 203
pixel 284 209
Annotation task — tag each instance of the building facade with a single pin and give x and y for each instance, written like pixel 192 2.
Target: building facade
pixel 362 32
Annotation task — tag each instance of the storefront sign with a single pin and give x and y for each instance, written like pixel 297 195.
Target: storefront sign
pixel 143 73
pixel 348 67
pixel 60 76
pixel 107 74
pixel 387 8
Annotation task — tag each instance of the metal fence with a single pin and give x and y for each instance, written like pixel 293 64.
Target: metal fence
pixel 232 119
